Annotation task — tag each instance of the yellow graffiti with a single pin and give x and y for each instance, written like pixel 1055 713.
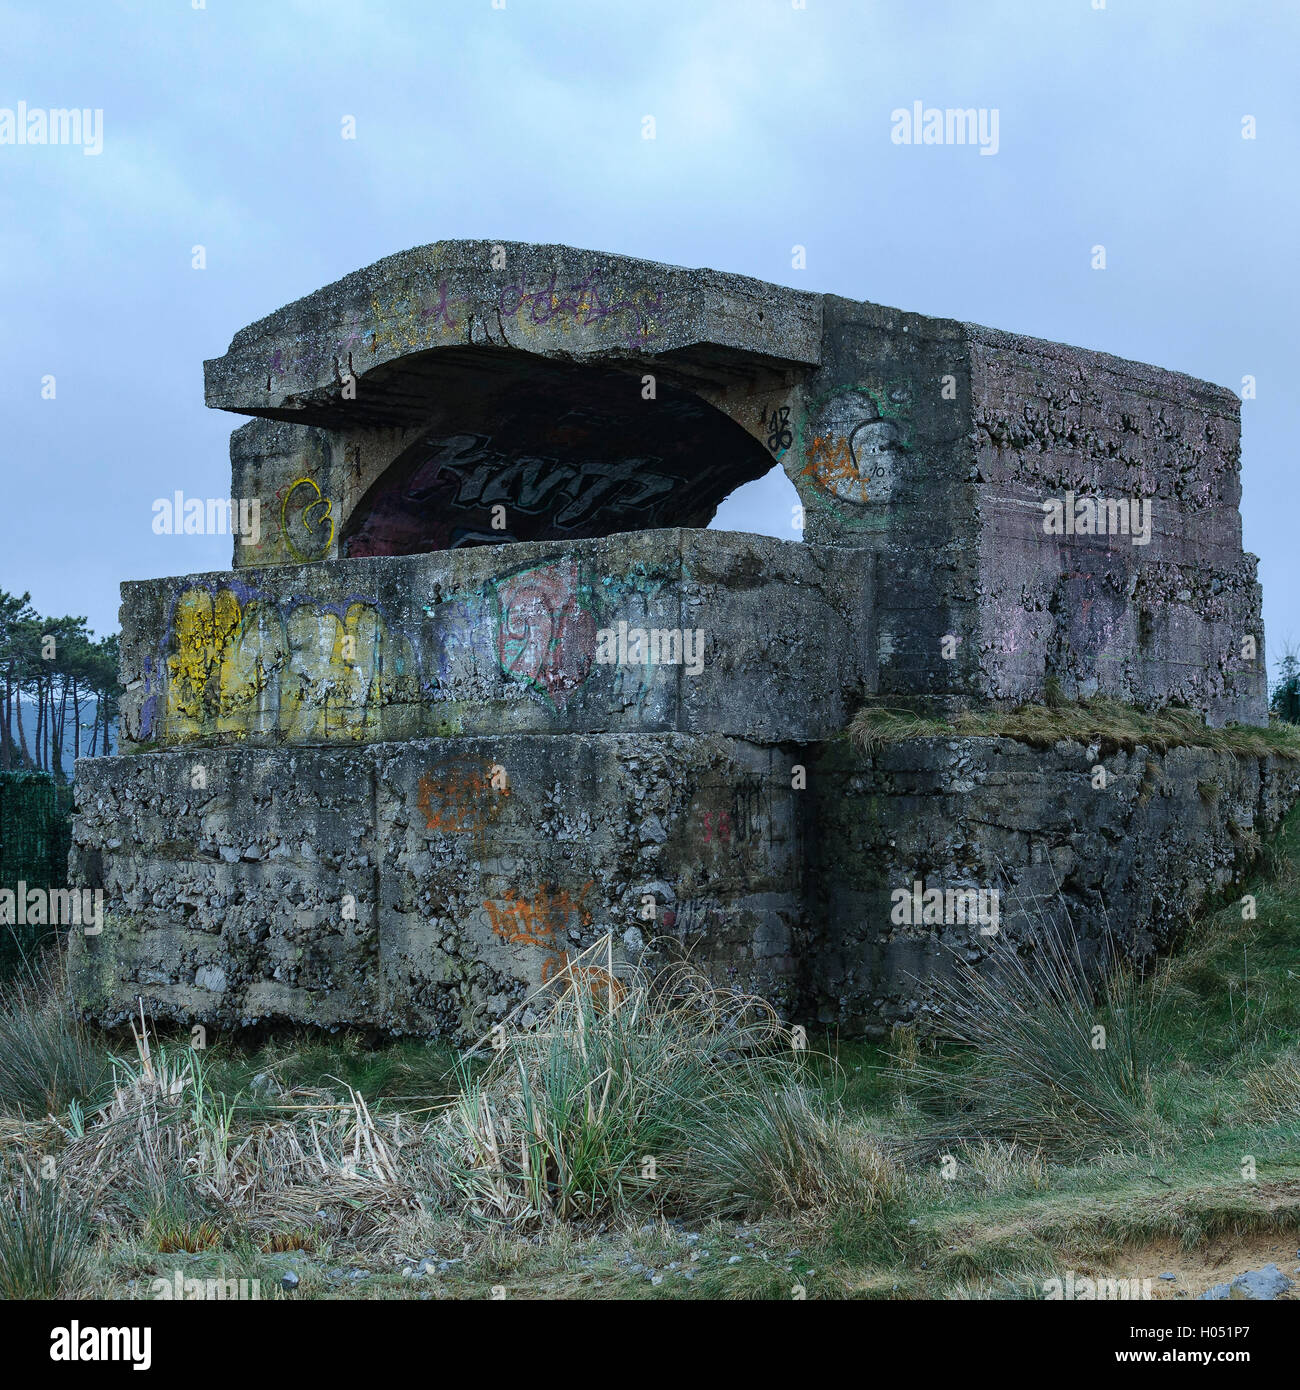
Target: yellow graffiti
pixel 397 329
pixel 310 675
pixel 308 525
pixel 204 625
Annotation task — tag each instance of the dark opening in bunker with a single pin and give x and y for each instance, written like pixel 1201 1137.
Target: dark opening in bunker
pixel 521 448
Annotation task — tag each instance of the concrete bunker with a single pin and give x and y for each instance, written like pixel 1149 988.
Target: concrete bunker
pixel 425 785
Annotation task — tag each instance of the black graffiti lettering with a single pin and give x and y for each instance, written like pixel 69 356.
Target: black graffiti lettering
pixel 780 436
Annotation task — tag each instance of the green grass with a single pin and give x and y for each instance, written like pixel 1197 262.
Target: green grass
pixel 676 1098
pixel 47 1060
pixel 403 1075
pixel 42 1241
pixel 1053 1056
pixel 1108 722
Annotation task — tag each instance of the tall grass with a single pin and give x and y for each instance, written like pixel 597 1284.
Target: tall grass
pixel 1057 1055
pixel 47 1058
pixel 42 1241
pixel 791 1151
pixel 673 1096
pixel 1272 1090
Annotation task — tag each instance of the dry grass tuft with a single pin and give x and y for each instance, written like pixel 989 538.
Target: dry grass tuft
pixel 1086 721
pixel 1058 1056
pixel 637 1095
pixel 166 1152
pixel 601 1104
pixel 1273 1090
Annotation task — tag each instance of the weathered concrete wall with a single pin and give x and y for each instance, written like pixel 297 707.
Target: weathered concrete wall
pixel 882 460
pixel 1166 833
pixel 932 444
pixel 1157 622
pixel 428 886
pixel 504 639
pixel 935 445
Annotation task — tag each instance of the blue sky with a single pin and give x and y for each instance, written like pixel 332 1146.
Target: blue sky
pixel 1119 126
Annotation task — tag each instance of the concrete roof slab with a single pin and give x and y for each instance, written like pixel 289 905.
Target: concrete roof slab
pixel 552 301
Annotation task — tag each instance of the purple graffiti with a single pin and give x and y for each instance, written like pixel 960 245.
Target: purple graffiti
pixel 586 301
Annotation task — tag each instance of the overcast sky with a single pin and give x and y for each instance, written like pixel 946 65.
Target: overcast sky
pixel 222 127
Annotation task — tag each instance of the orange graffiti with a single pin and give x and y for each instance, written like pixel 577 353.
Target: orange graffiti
pixel 460 795
pixel 831 461
pixel 554 966
pixel 538 923
pixel 599 983
pixel 535 923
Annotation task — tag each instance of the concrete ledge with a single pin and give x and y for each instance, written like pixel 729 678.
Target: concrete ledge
pixel 503 639
pixel 548 300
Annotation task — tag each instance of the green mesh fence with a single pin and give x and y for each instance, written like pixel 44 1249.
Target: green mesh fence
pixel 35 835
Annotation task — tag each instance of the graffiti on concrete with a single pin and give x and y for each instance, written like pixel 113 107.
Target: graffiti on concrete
pixel 467 490
pixel 751 809
pixel 855 444
pixel 734 815
pixel 716 826
pixel 233 659
pixel 236 662
pixel 780 432
pixel 542 920
pixel 545 629
pixel 584 302
pixel 538 920
pixel 693 915
pixel 540 449
pixel 463 796
pixel 572 493
pixel 306 521
pixel 424 319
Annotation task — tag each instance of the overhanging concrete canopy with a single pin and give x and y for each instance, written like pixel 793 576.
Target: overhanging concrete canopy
pixel 705 330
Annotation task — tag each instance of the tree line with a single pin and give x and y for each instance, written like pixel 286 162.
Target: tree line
pixel 58 688
pixel 1286 693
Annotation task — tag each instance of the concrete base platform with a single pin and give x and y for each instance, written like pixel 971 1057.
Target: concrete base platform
pixel 1130 843
pixel 428 886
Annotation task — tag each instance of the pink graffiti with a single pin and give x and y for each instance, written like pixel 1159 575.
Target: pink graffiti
pixel 545 633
